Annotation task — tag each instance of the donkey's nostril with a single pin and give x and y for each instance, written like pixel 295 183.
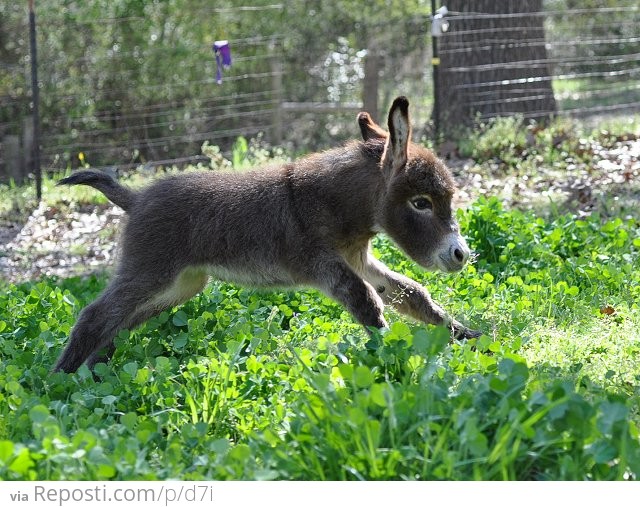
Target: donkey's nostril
pixel 456 254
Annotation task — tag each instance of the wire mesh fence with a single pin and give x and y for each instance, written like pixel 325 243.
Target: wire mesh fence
pixel 542 59
pixel 139 85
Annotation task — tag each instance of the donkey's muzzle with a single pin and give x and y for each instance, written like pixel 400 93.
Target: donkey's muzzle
pixel 455 253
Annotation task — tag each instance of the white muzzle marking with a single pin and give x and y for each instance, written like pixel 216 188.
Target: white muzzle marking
pixel 453 254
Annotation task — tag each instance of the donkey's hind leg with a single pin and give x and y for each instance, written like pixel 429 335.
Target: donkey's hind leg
pixel 102 355
pixel 188 283
pixel 101 320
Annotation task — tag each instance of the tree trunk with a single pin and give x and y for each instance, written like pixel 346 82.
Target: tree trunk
pixel 494 62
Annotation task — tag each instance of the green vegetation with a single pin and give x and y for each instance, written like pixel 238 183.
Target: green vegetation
pixel 243 384
pixel 283 385
pixel 517 143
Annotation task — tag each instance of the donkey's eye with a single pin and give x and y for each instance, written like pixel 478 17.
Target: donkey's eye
pixel 421 203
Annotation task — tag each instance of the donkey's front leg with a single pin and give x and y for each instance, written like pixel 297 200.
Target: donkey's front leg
pixel 336 278
pixel 410 298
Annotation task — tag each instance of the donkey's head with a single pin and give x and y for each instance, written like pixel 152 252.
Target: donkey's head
pixel 415 210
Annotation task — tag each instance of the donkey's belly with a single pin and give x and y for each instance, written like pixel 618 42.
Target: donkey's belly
pixel 253 276
pixel 192 280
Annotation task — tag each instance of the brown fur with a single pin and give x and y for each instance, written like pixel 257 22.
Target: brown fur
pixel 305 223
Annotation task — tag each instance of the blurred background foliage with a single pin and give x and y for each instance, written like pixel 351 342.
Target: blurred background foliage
pixel 133 81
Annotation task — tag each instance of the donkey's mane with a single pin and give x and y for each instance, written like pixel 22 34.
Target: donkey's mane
pixel 373 148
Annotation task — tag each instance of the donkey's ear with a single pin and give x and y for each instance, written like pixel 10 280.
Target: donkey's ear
pixel 399 133
pixel 369 128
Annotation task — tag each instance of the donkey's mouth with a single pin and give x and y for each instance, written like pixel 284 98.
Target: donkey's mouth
pixel 449 265
pixel 454 254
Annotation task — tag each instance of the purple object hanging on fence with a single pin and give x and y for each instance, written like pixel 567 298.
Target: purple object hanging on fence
pixel 223 57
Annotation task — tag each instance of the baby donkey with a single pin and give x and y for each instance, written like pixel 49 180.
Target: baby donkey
pixel 305 223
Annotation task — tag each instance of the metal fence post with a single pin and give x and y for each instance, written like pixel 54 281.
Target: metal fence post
pixel 370 83
pixel 435 62
pixel 276 83
pixel 35 97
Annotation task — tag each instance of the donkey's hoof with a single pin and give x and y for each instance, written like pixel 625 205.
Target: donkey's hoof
pixel 466 334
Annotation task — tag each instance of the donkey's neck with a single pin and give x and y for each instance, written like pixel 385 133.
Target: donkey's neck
pixel 338 191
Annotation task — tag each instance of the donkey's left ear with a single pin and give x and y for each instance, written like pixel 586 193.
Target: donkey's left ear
pixel 399 133
pixel 369 128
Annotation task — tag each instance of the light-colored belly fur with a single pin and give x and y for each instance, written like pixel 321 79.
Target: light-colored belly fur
pixel 192 280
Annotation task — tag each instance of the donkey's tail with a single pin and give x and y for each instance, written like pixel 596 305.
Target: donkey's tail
pixel 116 193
